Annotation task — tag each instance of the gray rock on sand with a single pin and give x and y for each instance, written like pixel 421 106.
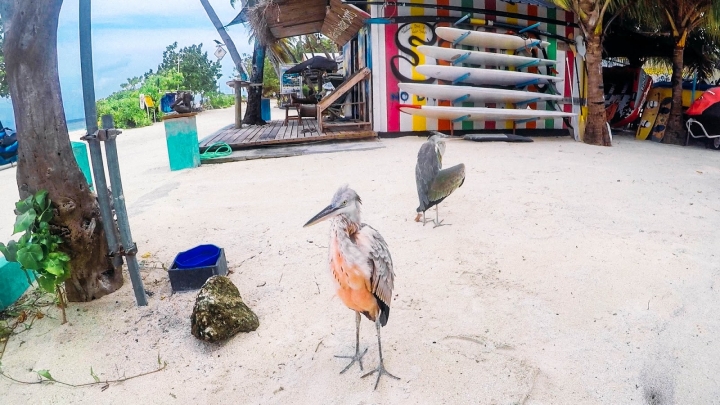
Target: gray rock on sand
pixel 220 312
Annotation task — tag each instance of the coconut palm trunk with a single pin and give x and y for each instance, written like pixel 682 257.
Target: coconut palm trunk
pixel 675 132
pixel 590 15
pixel 596 132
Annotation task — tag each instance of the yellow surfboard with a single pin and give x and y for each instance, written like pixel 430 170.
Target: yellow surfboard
pixel 663 114
pixel 647 121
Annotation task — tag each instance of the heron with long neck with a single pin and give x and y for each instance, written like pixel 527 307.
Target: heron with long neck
pixel 362 269
pixel 434 184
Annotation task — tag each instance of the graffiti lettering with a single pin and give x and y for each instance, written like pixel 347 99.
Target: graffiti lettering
pixel 414 40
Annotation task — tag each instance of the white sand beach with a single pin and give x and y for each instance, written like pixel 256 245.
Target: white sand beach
pixel 570 274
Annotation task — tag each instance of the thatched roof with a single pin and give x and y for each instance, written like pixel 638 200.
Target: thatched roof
pixel 275 19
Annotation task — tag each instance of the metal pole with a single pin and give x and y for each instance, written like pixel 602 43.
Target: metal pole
pixel 121 212
pixel 93 140
pixel 98 167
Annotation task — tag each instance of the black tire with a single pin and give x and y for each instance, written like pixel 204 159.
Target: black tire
pixel 713 143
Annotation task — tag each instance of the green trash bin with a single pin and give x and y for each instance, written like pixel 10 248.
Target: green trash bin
pixel 13 282
pixel 81 156
pixel 182 141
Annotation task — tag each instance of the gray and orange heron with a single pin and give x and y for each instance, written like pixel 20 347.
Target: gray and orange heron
pixel 362 268
pixel 434 184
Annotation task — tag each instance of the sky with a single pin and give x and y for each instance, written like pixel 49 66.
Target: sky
pixel 129 37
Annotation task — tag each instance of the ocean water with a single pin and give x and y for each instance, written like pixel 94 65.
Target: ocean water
pixel 76 124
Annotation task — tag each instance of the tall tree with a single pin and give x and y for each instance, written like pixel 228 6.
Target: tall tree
pixel 681 17
pixel 200 74
pixel 590 15
pixel 45 157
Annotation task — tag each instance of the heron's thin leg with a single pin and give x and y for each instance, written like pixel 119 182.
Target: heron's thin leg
pixel 357 357
pixel 424 221
pixel 381 367
pixel 437 217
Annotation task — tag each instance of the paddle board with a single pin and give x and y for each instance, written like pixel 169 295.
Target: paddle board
pixel 483 76
pixel 647 121
pixel 483 39
pixel 480 113
pixel 496 138
pixel 626 89
pixel 663 115
pixel 482 58
pixel 474 94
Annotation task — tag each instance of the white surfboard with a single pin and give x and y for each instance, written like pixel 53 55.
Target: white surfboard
pixel 482 58
pixel 483 76
pixel 482 39
pixel 474 94
pixel 481 113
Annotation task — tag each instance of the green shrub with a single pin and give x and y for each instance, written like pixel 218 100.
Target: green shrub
pixel 124 106
pixel 219 100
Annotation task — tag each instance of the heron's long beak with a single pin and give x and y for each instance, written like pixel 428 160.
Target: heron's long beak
pixel 326 213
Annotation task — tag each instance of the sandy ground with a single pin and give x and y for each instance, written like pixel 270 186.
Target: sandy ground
pixel 571 274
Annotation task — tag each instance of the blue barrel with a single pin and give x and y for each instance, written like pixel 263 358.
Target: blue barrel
pixel 265 109
pixel 182 141
pixel 81 156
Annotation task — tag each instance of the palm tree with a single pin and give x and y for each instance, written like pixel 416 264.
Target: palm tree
pixel 590 15
pixel 680 18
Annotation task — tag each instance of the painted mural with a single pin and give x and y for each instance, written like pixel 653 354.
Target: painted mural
pixel 399 31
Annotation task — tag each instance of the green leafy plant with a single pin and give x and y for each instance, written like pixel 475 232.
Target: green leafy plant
pixel 37 250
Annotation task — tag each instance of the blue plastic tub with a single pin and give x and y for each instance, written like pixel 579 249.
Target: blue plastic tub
pixel 199 256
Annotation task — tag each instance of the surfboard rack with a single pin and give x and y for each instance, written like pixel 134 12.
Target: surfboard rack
pixel 463 18
pixel 528 64
pixel 531 27
pixel 533 44
pixel 461 58
pixel 461 38
pixel 526 102
pixel 461 99
pixel 527 83
pixel 461 78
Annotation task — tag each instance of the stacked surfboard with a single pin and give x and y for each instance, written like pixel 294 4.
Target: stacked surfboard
pixel 473 84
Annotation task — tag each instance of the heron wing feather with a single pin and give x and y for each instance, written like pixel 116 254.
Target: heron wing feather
pixel 446 181
pixel 428 166
pixel 382 276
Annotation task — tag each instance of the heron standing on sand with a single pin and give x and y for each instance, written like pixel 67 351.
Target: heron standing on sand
pixel 434 183
pixel 361 266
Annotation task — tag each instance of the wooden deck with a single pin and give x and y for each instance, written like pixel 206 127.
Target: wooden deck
pixel 274 133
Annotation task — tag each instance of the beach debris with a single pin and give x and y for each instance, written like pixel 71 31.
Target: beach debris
pixel 219 312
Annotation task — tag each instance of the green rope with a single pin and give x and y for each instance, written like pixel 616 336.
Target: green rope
pixel 222 149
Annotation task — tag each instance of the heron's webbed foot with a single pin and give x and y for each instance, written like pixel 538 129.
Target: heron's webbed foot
pixel 356 358
pixel 381 372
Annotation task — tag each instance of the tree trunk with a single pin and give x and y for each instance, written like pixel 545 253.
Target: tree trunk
pixel 252 113
pixel 675 132
pixel 45 157
pixel 223 34
pixel 596 132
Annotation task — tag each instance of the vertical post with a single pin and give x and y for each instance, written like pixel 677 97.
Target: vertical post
pixel 98 166
pixel 88 85
pixel 121 212
pixel 238 104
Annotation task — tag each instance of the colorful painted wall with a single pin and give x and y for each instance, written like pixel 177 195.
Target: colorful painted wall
pixel 394 57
